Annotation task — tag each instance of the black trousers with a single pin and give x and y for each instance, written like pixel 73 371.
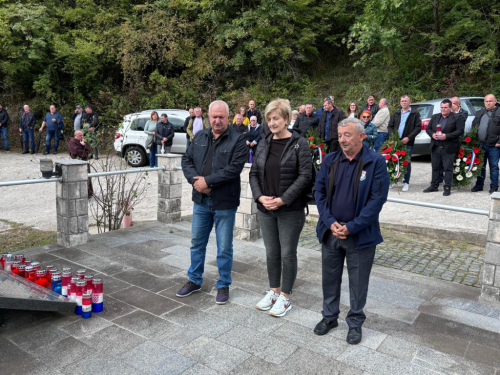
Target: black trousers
pixel 442 162
pixel 359 266
pixel 333 145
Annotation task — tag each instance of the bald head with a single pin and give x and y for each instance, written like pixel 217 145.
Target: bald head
pixel 218 104
pixel 218 113
pixel 79 135
pixel 489 102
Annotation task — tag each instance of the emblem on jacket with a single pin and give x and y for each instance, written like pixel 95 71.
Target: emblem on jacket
pixel 363 176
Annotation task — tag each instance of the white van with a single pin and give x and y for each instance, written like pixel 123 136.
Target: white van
pixel 130 138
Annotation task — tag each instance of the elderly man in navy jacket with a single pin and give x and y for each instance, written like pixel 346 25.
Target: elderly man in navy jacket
pixel 350 190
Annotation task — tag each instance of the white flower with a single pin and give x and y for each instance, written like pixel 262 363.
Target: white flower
pixel 457 169
pixel 460 177
pixel 387 161
pixel 468 175
pixel 457 161
pixel 464 159
pixel 474 169
pixel 318 162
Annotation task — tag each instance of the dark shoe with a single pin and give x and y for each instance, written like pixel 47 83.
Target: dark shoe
pixel 493 190
pixel 7 150
pixel 431 189
pixel 447 191
pixel 32 152
pixel 24 152
pixel 476 189
pixel 54 153
pixel 323 327
pixel 222 296
pixel 354 336
pixel 45 153
pixel 188 289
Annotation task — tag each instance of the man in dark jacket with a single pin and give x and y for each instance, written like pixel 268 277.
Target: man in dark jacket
pixel 456 107
pixel 306 121
pixel 186 123
pixel 79 149
pixel 488 122
pixel 408 125
pixel 350 190
pixel 27 129
pixel 252 111
pixel 4 118
pixel 213 164
pixel 445 144
pixel 328 124
pixel 91 119
pixel 238 125
pixel 370 106
pixel 164 134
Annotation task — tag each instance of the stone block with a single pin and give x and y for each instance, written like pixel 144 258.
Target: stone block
pixel 492 255
pixel 62 224
pixel 61 190
pixel 83 224
pixel 74 173
pixel 176 177
pixel 248 206
pixel 246 234
pixel 72 225
pixel 489 274
pixel 238 222
pixel 73 190
pixel 497 276
pixel 170 191
pixel 81 206
pixel 71 240
pixel 244 187
pixel 250 222
pixel 490 293
pixel 168 218
pixel 169 161
pixel 245 173
pixel 169 205
pixel 495 206
pixel 84 189
pixel 163 177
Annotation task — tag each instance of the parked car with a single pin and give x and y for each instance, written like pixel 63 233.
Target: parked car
pixel 130 138
pixel 431 107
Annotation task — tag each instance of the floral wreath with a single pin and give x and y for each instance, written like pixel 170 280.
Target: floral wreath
pixel 397 158
pixel 317 147
pixel 469 160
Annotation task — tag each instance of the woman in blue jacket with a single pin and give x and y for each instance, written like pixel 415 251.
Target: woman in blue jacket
pixel 370 129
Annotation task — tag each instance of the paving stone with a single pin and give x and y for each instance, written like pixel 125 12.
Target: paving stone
pixel 152 358
pixel 389 310
pixel 145 280
pixel 100 364
pixel 115 308
pixel 143 299
pixel 83 327
pixel 199 369
pixel 379 363
pixel 471 306
pixel 112 341
pixel 264 346
pixel 173 336
pixel 151 249
pixel 111 284
pixel 371 338
pixel 214 354
pixel 71 254
pixel 30 337
pixel 437 361
pixel 326 345
pixel 483 354
pixel 398 348
pixel 199 300
pixel 304 317
pixel 104 265
pixel 245 297
pixel 207 324
pixel 248 317
pixel 13 360
pixel 64 352
pixel 144 324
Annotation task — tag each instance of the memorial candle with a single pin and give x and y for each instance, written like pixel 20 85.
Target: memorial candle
pixel 97 295
pixel 30 274
pixel 80 285
pixel 41 278
pixel 21 270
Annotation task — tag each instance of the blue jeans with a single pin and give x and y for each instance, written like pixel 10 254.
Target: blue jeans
pixel 3 133
pixel 29 135
pixel 406 180
pixel 153 160
pixel 380 141
pixel 51 134
pixel 491 157
pixel 203 220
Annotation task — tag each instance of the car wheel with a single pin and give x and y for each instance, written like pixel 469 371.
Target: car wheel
pixel 136 156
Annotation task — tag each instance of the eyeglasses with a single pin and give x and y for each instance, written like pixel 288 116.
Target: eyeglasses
pixel 366 117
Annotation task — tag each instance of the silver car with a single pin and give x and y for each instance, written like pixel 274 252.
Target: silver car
pixel 431 107
pixel 130 138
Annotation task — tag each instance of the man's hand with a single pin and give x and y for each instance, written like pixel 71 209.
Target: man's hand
pixel 497 145
pixel 442 137
pixel 40 130
pixel 434 136
pixel 200 185
pixel 207 191
pixel 165 139
pixel 405 140
pixel 54 120
pixel 82 142
pixel 343 231
pixel 20 130
pixel 335 228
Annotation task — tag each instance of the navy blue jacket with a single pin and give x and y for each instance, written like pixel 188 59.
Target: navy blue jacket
pixel 370 195
pixel 228 161
pixel 254 134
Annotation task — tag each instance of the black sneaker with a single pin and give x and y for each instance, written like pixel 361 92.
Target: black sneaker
pixel 222 296
pixel 430 189
pixel 476 189
pixel 188 289
pixel 493 190
pixel 354 335
pixel 447 191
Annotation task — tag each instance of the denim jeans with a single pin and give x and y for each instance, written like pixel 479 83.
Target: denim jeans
pixel 29 135
pixel 281 232
pixel 491 157
pixel 204 217
pixel 406 180
pixel 153 160
pixel 3 133
pixel 380 140
pixel 51 134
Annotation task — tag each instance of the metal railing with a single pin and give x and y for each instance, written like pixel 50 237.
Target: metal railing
pixel 28 182
pixel 440 206
pixel 100 174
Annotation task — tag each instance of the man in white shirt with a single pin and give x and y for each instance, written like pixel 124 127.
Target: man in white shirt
pixel 381 120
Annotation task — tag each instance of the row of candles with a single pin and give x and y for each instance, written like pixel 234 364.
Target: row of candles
pixel 83 289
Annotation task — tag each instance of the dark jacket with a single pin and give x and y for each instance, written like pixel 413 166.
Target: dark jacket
pixel 493 132
pixel 228 161
pixel 164 130
pixel 254 134
pixel 463 113
pixel 255 113
pixel 371 135
pixel 186 123
pixel 76 150
pixel 294 175
pixel 335 118
pixel 412 128
pixel 374 109
pixel 454 128
pixel 31 120
pixel 305 122
pixel 243 129
pixel 89 118
pixel 370 194
pixel 4 118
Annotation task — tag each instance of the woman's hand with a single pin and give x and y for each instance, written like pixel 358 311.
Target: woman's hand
pixel 152 133
pixel 271 203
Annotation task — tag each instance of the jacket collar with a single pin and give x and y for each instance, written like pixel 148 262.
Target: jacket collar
pixel 295 135
pixel 367 155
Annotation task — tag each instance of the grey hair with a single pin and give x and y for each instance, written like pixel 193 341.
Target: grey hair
pixel 295 112
pixel 406 96
pixel 384 100
pixel 360 128
pixel 253 118
pixel 78 131
pixel 459 102
pixel 216 102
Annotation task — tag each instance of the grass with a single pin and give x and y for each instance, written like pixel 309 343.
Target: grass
pixel 21 237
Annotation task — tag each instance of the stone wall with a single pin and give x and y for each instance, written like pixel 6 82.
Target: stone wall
pixel 246 226
pixel 169 188
pixel 490 289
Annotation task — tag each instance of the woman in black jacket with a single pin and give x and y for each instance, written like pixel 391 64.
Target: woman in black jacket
pixel 164 134
pixel 281 171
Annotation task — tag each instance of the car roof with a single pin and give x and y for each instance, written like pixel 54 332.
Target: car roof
pixel 170 112
pixel 437 101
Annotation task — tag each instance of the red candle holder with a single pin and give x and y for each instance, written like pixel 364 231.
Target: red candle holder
pixel 21 270
pixel 80 274
pixel 41 278
pixel 30 273
pixel 20 257
pixel 36 265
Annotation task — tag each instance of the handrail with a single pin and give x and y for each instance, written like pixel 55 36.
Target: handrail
pixel 440 206
pixel 100 174
pixel 28 182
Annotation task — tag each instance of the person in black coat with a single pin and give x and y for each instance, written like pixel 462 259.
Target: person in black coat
pixel 408 125
pixel 4 118
pixel 370 106
pixel 164 134
pixel 306 121
pixel 281 171
pixel 27 129
pixel 328 125
pixel 445 144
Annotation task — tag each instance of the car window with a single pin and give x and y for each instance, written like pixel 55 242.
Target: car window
pixel 466 107
pixel 478 104
pixel 178 124
pixel 138 124
pixel 425 110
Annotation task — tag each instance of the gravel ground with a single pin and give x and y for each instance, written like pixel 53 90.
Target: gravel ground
pixel 35 204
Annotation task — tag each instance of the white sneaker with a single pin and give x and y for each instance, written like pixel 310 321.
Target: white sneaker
pixel 281 306
pixel 405 187
pixel 267 302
